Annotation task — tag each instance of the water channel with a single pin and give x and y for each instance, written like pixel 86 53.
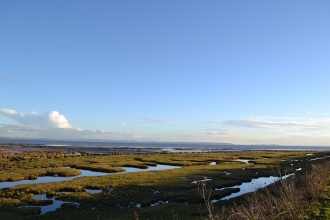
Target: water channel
pixel 57 203
pixel 48 179
pixel 251 186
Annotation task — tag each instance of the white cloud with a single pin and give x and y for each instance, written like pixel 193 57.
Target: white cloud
pixel 217 131
pixel 45 120
pixel 137 136
pixel 277 130
pixel 318 113
pixel 100 131
pixel 52 125
pixel 16 130
pixel 8 111
pixel 263 129
pixel 281 123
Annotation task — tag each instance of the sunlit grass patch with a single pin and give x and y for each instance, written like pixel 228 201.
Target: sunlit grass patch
pixel 62 171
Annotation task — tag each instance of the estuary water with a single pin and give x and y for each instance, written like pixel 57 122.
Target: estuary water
pixel 48 179
pixel 170 146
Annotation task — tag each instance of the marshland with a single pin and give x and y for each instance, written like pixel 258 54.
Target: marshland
pixel 154 185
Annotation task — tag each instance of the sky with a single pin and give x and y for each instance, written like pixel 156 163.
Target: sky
pixel 242 72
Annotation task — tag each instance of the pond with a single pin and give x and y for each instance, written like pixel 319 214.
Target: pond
pixel 56 204
pixel 48 179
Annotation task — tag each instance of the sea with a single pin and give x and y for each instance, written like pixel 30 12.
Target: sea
pixel 169 145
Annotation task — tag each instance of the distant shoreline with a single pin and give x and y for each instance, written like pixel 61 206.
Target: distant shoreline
pixel 18 145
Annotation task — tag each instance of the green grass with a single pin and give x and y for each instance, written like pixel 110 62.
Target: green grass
pixel 320 210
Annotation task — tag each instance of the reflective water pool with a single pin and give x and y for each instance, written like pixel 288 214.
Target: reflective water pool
pixel 48 208
pixel 158 167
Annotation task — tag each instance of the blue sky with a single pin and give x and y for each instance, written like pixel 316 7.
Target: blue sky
pixel 244 72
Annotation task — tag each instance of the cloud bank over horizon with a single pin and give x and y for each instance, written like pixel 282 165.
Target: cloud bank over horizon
pixel 51 119
pixel 52 125
pixel 250 130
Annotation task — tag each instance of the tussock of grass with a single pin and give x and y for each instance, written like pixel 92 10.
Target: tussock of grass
pixel 62 171
pixel 7 202
pixel 10 177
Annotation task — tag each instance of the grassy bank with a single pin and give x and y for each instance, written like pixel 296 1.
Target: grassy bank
pixel 301 196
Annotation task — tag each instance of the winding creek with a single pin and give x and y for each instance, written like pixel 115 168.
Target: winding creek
pixel 84 173
pixel 57 203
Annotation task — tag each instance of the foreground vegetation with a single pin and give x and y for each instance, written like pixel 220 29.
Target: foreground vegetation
pixel 121 193
pixel 304 196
